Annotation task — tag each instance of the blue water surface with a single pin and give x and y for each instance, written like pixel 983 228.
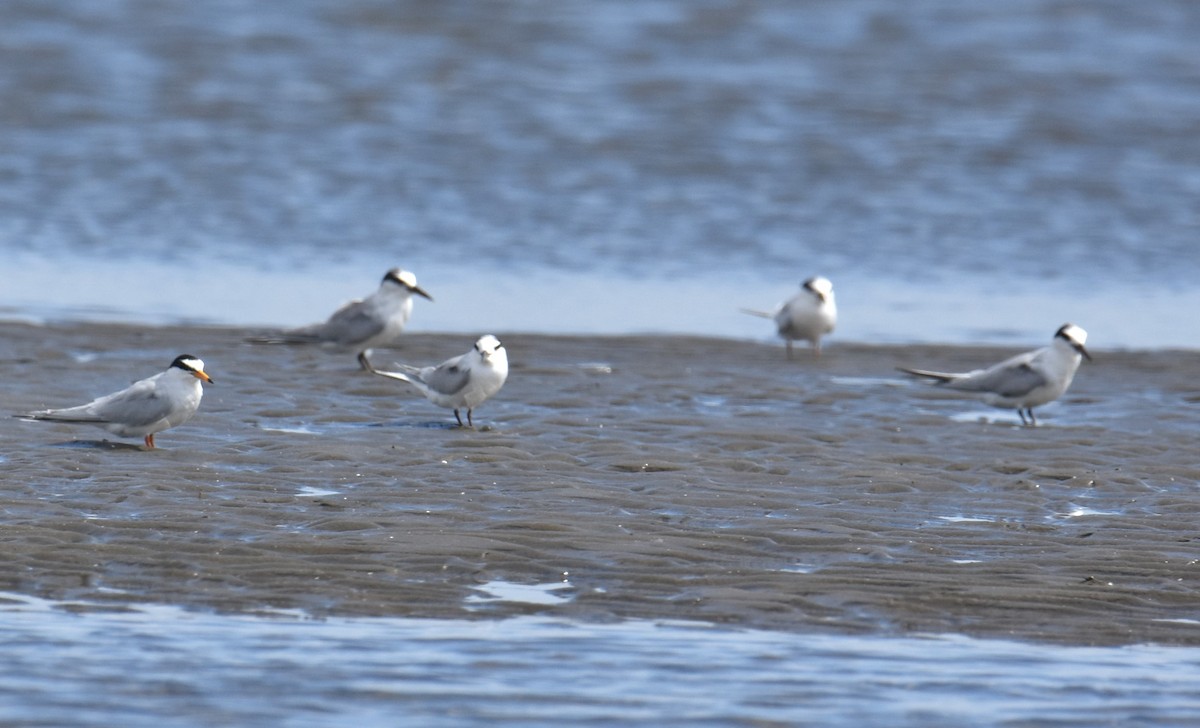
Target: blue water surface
pixel 161 666
pixel 962 173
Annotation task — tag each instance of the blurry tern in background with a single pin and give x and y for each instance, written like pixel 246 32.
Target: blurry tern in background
pixel 1025 381
pixel 361 324
pixel 466 381
pixel 808 315
pixel 151 405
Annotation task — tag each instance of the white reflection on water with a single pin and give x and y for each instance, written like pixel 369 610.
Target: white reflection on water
pixel 879 311
pixel 162 666
pixel 308 491
pixel 499 590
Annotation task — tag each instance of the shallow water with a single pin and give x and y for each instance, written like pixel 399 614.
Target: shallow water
pixel 961 174
pixel 188 668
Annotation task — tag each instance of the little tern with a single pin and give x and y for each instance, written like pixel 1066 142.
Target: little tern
pixel 148 406
pixel 466 381
pixel 807 316
pixel 361 324
pixel 1024 381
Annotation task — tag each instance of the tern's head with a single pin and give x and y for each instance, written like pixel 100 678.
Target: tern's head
pixel 819 286
pixel 192 365
pixel 405 280
pixel 1074 337
pixel 488 346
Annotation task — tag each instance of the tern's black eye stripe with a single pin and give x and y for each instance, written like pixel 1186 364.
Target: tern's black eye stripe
pixel 184 361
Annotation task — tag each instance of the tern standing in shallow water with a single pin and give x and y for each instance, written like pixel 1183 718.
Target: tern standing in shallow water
pixel 151 405
pixel 466 381
pixel 1025 381
pixel 361 324
pixel 807 316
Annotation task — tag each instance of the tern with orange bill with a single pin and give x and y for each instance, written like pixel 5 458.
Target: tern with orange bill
pixel 146 407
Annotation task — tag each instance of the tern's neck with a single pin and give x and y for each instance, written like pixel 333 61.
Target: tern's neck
pixel 184 379
pixel 1066 351
pixel 394 297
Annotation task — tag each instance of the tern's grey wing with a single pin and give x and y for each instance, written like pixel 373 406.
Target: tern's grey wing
pixel 140 405
pixel 448 377
pixel 1007 380
pixel 137 406
pixel 351 323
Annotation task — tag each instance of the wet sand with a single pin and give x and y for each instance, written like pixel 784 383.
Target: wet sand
pixel 672 477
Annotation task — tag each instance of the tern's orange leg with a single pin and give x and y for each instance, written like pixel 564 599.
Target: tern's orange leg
pixel 150 441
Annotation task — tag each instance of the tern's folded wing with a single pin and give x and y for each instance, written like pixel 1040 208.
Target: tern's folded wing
pixel 447 378
pixel 1011 380
pixel 350 324
pixel 140 405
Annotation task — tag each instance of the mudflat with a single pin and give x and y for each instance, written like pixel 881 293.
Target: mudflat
pixel 651 477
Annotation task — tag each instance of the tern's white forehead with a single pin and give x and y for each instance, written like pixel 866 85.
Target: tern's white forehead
pixel 820 284
pixel 403 276
pixel 487 344
pixel 1074 333
pixel 184 361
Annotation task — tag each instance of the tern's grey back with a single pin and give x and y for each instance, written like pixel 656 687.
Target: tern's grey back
pixel 1015 380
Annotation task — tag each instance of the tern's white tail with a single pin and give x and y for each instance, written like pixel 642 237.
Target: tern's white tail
pixel 305 335
pixel 755 312
pixel 70 414
pixel 938 376
pixel 404 376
